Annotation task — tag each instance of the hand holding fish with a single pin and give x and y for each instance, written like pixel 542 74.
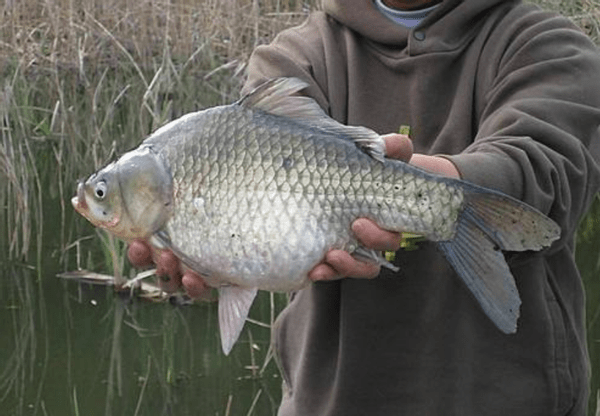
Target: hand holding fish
pixel 168 267
pixel 254 195
pixel 339 263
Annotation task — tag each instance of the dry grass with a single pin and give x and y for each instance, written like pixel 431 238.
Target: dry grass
pixel 85 80
pixel 79 33
pixel 585 13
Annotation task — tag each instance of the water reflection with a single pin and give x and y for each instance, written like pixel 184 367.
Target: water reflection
pixel 71 348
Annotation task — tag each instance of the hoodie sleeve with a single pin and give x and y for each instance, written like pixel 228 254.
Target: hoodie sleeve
pixel 296 52
pixel 538 114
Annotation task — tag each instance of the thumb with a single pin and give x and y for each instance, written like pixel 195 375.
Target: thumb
pixel 398 146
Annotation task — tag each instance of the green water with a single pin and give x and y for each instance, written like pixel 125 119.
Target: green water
pixel 75 349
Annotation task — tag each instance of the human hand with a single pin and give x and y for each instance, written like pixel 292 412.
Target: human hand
pixel 172 275
pixel 339 263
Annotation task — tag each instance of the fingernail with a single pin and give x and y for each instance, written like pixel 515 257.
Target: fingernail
pixel 358 226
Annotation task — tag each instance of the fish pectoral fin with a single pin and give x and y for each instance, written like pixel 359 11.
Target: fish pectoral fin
pixel 373 256
pixel 373 145
pixel 234 305
pixel 481 265
pixel 161 240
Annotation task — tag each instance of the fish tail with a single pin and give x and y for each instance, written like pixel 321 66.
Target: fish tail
pixel 489 224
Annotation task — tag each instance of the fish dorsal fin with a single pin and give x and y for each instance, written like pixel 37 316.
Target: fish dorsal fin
pixel 279 97
pixel 234 304
pixel 276 96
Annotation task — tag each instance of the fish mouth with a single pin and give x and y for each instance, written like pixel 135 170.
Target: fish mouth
pixel 78 200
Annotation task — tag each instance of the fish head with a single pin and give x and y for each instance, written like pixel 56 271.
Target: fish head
pixel 131 198
pixel 98 198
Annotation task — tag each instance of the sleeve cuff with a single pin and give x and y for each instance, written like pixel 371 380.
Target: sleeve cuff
pixel 490 170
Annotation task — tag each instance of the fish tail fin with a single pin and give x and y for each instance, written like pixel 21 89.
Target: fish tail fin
pixel 490 223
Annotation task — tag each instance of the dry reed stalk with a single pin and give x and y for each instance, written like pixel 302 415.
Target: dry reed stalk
pixel 97 53
pixel 73 32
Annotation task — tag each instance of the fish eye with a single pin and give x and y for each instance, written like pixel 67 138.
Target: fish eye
pixel 100 190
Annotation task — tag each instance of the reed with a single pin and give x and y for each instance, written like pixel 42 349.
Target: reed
pixel 84 81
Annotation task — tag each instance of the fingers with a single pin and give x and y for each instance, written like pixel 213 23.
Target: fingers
pixel 168 271
pixel 194 285
pixel 339 264
pixel 323 272
pixel 171 276
pixel 436 164
pixel 139 254
pixel 398 146
pixel 373 237
pixel 167 267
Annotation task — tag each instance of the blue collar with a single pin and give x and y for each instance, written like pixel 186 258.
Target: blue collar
pixel 406 18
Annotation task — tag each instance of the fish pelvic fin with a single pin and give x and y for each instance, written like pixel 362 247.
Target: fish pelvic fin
pixel 373 256
pixel 490 223
pixel 234 305
pixel 279 97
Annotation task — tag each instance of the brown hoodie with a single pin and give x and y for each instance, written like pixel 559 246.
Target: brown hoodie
pixel 512 96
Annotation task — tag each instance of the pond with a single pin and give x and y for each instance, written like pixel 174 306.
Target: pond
pixel 70 348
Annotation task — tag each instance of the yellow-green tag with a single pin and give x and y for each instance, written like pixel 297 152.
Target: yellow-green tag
pixel 408 242
pixel 404 129
pixel 390 256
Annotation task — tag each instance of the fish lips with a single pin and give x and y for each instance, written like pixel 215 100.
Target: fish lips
pixel 78 201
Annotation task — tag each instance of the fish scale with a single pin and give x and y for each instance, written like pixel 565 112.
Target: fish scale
pixel 252 195
pixel 323 176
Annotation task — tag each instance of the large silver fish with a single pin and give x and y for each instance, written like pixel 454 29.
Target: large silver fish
pixel 252 195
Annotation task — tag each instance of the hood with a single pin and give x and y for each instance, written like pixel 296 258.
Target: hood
pixel 443 30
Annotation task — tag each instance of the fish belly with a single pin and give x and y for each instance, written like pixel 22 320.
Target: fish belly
pixel 265 240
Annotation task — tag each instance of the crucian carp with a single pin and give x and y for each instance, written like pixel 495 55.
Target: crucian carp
pixel 252 195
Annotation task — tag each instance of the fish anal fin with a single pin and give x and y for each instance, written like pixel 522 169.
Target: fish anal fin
pixel 234 305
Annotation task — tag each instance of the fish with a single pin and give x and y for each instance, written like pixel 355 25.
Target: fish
pixel 252 195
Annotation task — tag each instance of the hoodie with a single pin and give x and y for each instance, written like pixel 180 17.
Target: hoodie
pixel 511 95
